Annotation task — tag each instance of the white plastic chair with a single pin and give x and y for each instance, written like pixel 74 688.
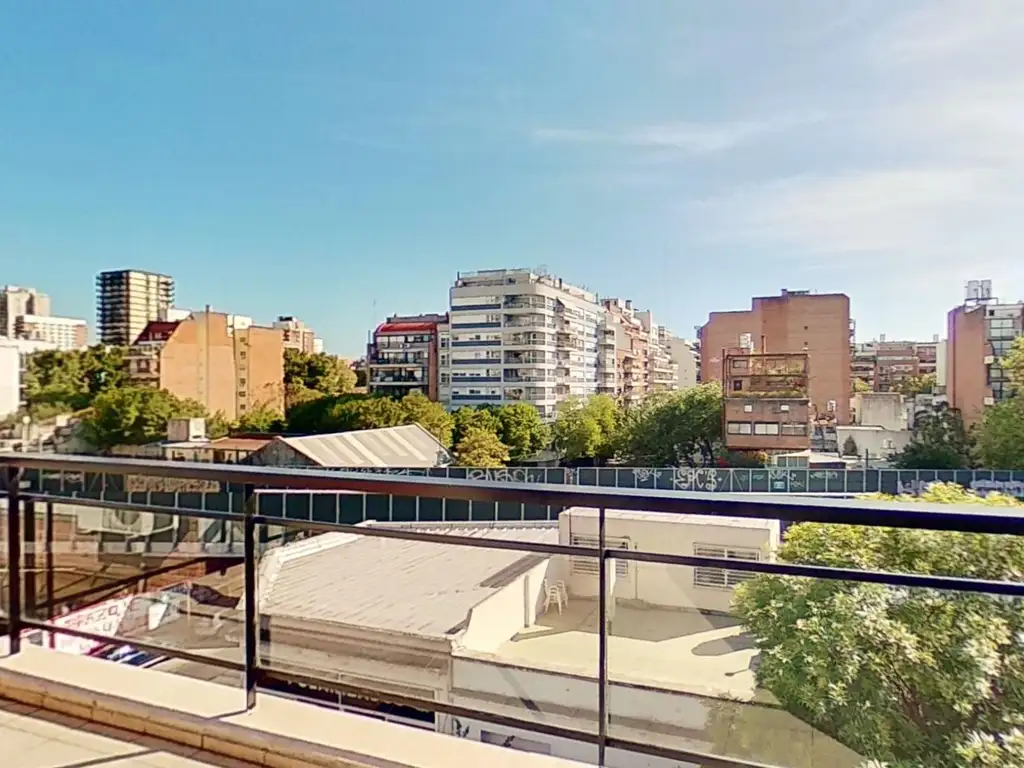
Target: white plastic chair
pixel 553 595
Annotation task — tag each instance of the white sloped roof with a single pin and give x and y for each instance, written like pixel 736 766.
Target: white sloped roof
pixel 406 446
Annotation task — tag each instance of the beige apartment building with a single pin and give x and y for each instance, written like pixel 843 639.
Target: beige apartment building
pixel 297 335
pixel 15 302
pixel 795 322
pixel 63 332
pixel 228 368
pixel 883 365
pixel 632 351
pixel 128 299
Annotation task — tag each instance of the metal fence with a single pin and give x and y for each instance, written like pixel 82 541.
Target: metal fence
pixel 157 486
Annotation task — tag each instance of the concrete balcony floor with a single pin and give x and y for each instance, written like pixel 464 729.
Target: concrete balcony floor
pixel 35 738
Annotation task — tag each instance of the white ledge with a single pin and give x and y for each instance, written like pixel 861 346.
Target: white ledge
pixel 277 732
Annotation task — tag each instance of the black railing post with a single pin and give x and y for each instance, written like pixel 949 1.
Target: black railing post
pixel 14 558
pixel 28 553
pixel 250 637
pixel 602 640
pixel 48 565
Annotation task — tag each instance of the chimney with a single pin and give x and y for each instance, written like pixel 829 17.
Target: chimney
pixel 881 337
pixel 629 303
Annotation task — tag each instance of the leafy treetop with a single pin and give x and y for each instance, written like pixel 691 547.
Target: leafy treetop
pixel 907 677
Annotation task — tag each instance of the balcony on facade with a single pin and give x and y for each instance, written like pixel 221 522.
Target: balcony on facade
pixel 528 358
pixel 529 340
pixel 369 618
pixel 766 405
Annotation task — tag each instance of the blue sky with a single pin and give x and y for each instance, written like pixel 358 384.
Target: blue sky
pixel 341 160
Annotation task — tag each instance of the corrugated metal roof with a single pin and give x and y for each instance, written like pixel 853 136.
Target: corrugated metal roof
pixel 407 446
pixel 396 585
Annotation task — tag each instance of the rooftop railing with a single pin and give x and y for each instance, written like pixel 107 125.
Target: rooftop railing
pixel 635 652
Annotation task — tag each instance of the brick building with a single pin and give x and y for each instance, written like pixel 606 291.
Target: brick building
pixel 795 322
pixel 226 367
pixel 980 334
pixel 766 404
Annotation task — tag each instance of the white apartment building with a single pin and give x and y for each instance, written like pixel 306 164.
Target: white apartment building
pixel 63 332
pixel 517 335
pixel 12 365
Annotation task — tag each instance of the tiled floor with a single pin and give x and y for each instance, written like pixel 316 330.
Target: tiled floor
pixel 38 739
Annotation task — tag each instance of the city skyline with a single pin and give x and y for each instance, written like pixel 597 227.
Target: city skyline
pixel 686 156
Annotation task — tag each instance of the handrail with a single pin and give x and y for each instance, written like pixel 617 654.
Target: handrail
pixel 918 515
pixel 254 480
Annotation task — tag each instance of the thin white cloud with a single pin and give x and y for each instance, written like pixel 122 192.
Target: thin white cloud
pixel 694 138
pixel 947 28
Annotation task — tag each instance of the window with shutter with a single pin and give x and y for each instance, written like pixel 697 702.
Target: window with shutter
pixel 588 565
pixel 722 578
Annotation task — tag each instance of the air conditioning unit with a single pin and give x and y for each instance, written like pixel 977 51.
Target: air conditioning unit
pixel 990 359
pixel 990 401
pixel 784 408
pixel 129 523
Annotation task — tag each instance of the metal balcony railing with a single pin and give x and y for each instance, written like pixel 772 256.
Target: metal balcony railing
pixel 225 498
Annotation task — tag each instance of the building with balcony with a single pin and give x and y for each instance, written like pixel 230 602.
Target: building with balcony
pixel 297 335
pixel 15 302
pixel 884 365
pixel 664 371
pixel 64 333
pixel 219 360
pixel 980 333
pixel 405 355
pixel 519 336
pixel 766 404
pixel 127 300
pixel 795 322
pixel 632 342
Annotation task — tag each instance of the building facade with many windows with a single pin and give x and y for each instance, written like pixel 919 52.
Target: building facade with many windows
pixel 404 356
pixel 127 300
pixel 980 335
pixel 226 364
pixel 516 335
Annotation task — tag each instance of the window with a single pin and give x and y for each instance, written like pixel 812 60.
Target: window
pixel 241 382
pixel 722 578
pixel 737 385
pixel 738 428
pixel 766 428
pixel 241 355
pixel 794 429
pixel 588 565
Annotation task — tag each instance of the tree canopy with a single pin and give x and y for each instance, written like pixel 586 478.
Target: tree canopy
pixel 349 412
pixel 939 440
pixel 586 429
pixel 135 416
pixel 65 381
pixel 521 428
pixel 908 678
pixel 916 385
pixel 674 429
pixel 309 375
pixel 481 448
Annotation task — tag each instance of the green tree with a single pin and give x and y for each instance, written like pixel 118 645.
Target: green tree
pixel 217 425
pixel 135 416
pixel 850 447
pixel 261 418
pixel 522 430
pixel 907 677
pixel 1000 436
pixel 586 429
pixel 1013 364
pixel 939 441
pixel 480 448
pixel 320 372
pixel 70 380
pixel 417 408
pixel 674 429
pixel 859 385
pixel 916 385
pixel 467 418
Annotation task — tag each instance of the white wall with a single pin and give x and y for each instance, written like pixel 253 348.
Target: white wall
pixel 515 606
pixel 879 443
pixel 666 585
pixel 10 379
